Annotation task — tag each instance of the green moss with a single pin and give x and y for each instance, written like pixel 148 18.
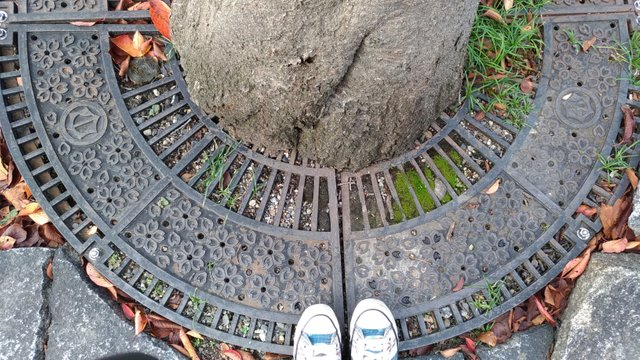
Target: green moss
pixel 406 200
pixel 412 179
pixel 448 172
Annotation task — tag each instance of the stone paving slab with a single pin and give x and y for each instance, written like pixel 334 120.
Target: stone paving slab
pixel 23 304
pixel 87 325
pixel 533 344
pixel 602 320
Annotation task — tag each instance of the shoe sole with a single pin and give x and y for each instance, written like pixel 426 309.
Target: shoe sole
pixel 368 305
pixel 311 312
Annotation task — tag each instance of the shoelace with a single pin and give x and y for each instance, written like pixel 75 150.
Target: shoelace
pixel 374 348
pixel 323 352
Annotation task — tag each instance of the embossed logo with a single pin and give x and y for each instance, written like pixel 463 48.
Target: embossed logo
pixel 578 108
pixel 84 123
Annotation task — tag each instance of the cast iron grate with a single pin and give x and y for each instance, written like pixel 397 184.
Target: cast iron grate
pixel 125 173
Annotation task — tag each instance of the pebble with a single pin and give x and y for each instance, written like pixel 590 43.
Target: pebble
pixel 147 132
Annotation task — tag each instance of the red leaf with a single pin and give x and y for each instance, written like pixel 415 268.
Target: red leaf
pixel 100 280
pixel 135 46
pixel 470 344
pixel 140 321
pixel 160 14
pixel 544 311
pixel 128 312
pixel 586 210
pixel 459 285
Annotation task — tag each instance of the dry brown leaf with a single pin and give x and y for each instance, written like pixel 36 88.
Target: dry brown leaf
pixel 100 280
pixel 6 242
pixel 576 267
pixel 459 285
pixel 50 269
pixel 180 349
pixel 586 210
pixel 449 352
pixel 538 320
pixel 186 342
pixel 140 320
pixel 83 23
pixel 493 188
pixel 16 195
pixel 195 334
pixel 526 85
pixel 492 14
pixel 508 4
pixel 609 215
pixel 544 311
pixel 615 246
pixel 629 124
pixel 246 355
pixel 633 178
pixel 127 311
pixel 488 338
pixel 587 44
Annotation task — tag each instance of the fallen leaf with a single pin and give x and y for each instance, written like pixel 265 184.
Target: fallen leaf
pixel 576 267
pixel 50 270
pixel 632 245
pixel 633 178
pixel 615 246
pixel 459 285
pixel 449 352
pixel 160 14
pixel 493 188
pixel 17 232
pixel 83 23
pixel 587 44
pixel 49 233
pixel 135 46
pixel 246 355
pixel 492 14
pixel 544 311
pixel 128 312
pixel 480 115
pixel 195 334
pixel 158 51
pixel 508 4
pixel 488 338
pixel 6 242
pixel 470 344
pixel 186 342
pixel 586 210
pixel 140 321
pixel 16 195
pixel 526 85
pixel 100 280
pixel 450 231
pixel 610 215
pixel 180 349
pixel 629 124
pixel 124 66
pixel 538 320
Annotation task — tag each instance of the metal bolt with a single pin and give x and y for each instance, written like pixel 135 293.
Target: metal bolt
pixel 636 4
pixel 583 234
pixel 3 34
pixel 3 16
pixel 94 254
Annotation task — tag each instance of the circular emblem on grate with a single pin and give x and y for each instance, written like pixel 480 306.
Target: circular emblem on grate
pixel 84 123
pixel 578 107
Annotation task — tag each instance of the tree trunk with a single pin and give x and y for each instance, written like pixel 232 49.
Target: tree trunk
pixel 347 82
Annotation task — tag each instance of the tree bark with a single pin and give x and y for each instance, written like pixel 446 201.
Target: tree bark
pixel 346 82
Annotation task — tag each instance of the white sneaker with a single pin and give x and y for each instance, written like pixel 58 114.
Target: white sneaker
pixel 373 332
pixel 317 335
